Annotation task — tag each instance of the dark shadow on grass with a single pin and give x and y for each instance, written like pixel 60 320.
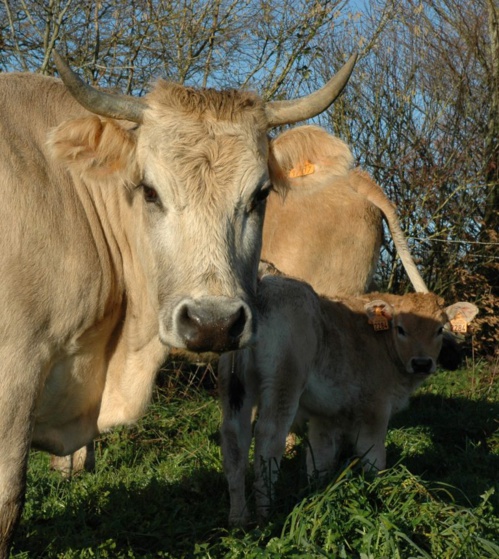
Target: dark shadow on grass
pixel 460 455
pixel 159 519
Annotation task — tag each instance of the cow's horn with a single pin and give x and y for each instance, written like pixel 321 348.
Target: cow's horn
pixel 122 107
pixel 288 112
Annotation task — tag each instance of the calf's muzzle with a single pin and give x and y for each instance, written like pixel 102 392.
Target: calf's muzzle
pixel 422 365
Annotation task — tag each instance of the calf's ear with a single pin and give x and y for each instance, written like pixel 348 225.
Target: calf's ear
pixel 460 315
pixel 95 148
pixel 379 314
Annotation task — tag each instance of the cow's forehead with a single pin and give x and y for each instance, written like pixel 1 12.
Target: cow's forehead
pixel 186 114
pixel 212 148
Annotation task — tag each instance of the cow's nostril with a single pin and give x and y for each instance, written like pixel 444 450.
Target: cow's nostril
pixel 188 320
pixel 422 364
pixel 237 323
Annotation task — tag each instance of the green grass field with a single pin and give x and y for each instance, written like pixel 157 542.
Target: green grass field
pixel 159 490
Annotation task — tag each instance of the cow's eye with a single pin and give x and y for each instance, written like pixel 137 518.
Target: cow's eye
pixel 400 331
pixel 440 331
pixel 150 195
pixel 259 197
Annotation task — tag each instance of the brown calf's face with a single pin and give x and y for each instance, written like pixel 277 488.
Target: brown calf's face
pixel 418 340
pixel 417 324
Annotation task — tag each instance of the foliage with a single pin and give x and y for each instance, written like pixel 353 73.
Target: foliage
pixel 159 490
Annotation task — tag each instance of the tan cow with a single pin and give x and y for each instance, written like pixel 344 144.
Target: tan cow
pixel 126 226
pixel 345 365
pixel 327 229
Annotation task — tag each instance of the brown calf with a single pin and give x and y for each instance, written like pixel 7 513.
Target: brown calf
pixel 345 365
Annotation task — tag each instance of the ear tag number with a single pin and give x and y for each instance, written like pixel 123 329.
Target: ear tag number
pixel 378 320
pixel 459 324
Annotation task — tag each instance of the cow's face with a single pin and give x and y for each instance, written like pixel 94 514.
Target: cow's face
pixel 417 324
pixel 203 186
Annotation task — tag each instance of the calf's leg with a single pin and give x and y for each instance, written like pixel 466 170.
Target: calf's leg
pixel 237 397
pixel 277 410
pixel 324 440
pixel 370 442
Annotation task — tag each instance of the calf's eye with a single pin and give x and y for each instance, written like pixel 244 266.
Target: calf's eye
pixel 400 331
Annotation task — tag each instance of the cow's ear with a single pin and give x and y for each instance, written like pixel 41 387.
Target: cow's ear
pixel 95 148
pixel 460 315
pixel 379 314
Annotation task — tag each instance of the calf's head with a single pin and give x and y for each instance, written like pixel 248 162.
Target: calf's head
pixel 416 323
pixel 194 168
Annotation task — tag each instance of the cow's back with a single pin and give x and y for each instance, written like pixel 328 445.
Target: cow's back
pixel 328 237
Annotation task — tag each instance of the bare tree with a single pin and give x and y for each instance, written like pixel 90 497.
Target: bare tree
pixel 421 115
pixel 268 45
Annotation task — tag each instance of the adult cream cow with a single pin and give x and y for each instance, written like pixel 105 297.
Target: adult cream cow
pixel 126 226
pixel 346 365
pixel 327 230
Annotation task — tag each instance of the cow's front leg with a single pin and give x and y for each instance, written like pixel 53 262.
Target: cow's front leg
pixel 324 440
pixel 17 397
pixel 71 464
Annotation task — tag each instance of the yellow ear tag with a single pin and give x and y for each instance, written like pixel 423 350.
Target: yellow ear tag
pixel 459 324
pixel 379 320
pixel 306 169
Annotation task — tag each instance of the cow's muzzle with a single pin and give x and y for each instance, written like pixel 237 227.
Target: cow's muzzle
pixel 215 324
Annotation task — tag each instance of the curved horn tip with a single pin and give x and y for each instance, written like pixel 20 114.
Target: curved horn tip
pixel 303 108
pixel 60 62
pixel 96 101
pixel 56 56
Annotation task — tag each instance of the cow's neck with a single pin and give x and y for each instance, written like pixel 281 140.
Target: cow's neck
pixel 137 352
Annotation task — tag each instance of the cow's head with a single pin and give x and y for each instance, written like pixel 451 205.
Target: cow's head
pixel 194 165
pixel 417 323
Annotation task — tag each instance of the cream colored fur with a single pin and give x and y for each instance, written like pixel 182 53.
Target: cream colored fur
pixel 95 278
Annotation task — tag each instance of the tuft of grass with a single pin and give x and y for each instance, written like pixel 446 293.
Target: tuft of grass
pixel 394 514
pixel 159 489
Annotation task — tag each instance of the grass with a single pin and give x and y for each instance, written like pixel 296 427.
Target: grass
pixel 159 490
